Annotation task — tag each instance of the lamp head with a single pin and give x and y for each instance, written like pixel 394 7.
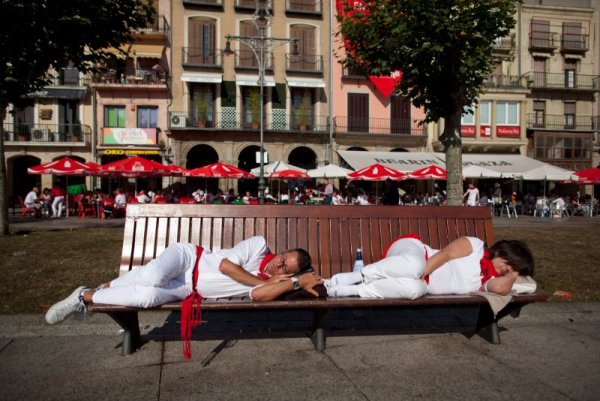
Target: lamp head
pixel 227 49
pixel 262 16
pixel 295 51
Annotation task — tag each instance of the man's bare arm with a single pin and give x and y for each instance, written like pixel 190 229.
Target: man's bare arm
pixel 458 248
pixel 270 291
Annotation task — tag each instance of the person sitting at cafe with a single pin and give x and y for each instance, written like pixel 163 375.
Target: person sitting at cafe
pixel 32 201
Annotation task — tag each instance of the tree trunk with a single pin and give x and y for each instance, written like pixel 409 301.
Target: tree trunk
pixel 453 148
pixel 4 228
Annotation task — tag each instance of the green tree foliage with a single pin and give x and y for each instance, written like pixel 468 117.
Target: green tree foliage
pixel 444 50
pixel 37 35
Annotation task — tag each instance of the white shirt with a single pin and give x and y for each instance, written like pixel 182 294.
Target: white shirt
pixel 31 198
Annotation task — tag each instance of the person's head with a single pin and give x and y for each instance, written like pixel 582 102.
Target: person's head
pixel 512 255
pixel 292 261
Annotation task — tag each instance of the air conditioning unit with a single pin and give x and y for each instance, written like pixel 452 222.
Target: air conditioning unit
pixel 178 121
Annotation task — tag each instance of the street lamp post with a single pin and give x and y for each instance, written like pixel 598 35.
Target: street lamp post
pixel 261 46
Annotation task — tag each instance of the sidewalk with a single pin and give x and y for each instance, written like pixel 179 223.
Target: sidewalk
pixel 551 352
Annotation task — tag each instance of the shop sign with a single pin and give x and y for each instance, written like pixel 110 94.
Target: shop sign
pixel 129 136
pixel 129 152
pixel 508 131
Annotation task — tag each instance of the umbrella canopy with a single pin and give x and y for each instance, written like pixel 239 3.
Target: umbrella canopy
pixel 135 166
pixel 428 173
pixel 288 174
pixel 275 166
pixel 218 170
pixel 176 170
pixel 588 176
pixel 376 172
pixel 329 171
pixel 64 166
pixel 474 171
pixel 548 173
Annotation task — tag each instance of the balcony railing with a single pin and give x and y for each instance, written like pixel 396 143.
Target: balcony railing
pixel 201 57
pixel 542 41
pixel 241 121
pixel 565 80
pixel 245 58
pixel 159 26
pixel 134 77
pixel 303 6
pixel 304 63
pixel 560 122
pixel 316 125
pixel 68 77
pixel 204 2
pixel 504 45
pixel 506 81
pixel 378 126
pixel 574 43
pixel 35 134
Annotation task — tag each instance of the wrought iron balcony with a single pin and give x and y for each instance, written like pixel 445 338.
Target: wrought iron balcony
pixel 542 41
pixel 201 57
pixel 304 63
pixel 303 6
pixel 349 124
pixel 68 77
pixel 574 43
pixel 159 26
pixel 45 134
pixel 565 80
pixel 540 121
pixel 135 77
pixel 506 81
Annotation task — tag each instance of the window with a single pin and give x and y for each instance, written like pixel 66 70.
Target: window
pixel 203 105
pixel 114 116
pixel 147 117
pixel 507 113
pixel 540 34
pixel 562 147
pixel 358 112
pixel 539 113
pixel 485 113
pixel 569 114
pixel 539 71
pixel 307 60
pixel 246 56
pixel 572 37
pixel 201 49
pixel 302 105
pixel 400 115
pixel 570 68
pixel 468 116
pixel 251 104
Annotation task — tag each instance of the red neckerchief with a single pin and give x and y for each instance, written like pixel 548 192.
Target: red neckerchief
pixel 487 267
pixel 263 266
pixel 191 310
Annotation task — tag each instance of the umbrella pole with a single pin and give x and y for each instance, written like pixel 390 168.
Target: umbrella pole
pixel 67 196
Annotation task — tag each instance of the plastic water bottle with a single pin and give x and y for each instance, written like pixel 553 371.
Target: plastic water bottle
pixel 358 263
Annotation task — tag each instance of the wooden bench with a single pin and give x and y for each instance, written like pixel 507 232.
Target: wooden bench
pixel 331 234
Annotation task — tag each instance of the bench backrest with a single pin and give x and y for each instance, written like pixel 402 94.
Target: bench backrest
pixel 331 234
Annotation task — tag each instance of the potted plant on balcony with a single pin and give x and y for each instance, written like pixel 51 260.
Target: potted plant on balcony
pixel 202 109
pixel 254 107
pixel 303 112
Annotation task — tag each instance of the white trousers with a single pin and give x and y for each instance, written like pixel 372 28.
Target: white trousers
pixel 160 281
pixel 58 205
pixel 398 275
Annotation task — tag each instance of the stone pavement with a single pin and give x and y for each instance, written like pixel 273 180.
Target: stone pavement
pixel 551 352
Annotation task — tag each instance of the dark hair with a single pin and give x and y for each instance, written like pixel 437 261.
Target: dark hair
pixel 517 255
pixel 304 260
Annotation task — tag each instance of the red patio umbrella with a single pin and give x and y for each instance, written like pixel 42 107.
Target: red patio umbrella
pixel 176 170
pixel 376 172
pixel 589 176
pixel 65 166
pixel 135 166
pixel 428 173
pixel 218 170
pixel 288 174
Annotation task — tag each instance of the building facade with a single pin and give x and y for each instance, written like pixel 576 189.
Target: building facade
pixel 187 92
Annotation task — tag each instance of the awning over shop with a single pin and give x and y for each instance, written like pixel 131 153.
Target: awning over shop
pixel 252 80
pixel 305 82
pixel 151 51
pixel 509 165
pixel 202 77
pixel 402 161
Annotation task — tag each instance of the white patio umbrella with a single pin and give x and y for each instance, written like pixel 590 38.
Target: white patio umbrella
pixel 474 171
pixel 548 173
pixel 275 167
pixel 329 171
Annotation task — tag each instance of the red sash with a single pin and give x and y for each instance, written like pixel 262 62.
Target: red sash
pixel 191 310
pixel 263 265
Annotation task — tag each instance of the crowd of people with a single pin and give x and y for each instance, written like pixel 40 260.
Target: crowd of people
pixel 51 202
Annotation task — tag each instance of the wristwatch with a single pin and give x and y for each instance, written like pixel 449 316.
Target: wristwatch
pixel 295 283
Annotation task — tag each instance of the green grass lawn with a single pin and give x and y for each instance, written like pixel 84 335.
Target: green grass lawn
pixel 42 267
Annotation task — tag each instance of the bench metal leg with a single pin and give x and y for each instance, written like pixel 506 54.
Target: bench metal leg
pixel 487 325
pixel 132 339
pixel 318 336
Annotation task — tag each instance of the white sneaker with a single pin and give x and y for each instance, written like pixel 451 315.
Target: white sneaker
pixel 67 307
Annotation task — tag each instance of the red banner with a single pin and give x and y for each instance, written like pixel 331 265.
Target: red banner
pixel 467 131
pixel 507 131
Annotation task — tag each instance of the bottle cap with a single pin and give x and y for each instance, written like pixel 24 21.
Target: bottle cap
pixel 358 250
